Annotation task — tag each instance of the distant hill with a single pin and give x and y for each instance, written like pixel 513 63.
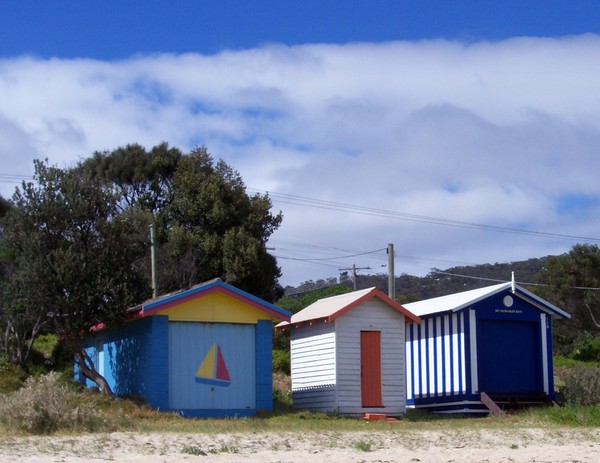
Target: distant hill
pixel 438 282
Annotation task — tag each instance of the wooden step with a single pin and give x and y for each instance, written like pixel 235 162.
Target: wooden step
pixel 379 417
pixel 490 404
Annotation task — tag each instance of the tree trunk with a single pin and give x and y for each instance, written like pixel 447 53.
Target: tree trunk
pixel 19 337
pixel 88 369
pixel 596 324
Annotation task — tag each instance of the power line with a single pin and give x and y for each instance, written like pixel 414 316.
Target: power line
pixel 363 210
pixel 290 246
pixel 329 258
pixel 14 178
pixel 586 288
pixel 495 280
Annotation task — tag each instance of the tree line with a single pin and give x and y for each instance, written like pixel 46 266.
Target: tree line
pixel 75 247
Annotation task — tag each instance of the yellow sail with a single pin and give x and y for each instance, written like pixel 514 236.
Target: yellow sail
pixel 207 367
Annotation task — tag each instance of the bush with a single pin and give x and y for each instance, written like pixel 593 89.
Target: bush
pixel 581 385
pixel 588 349
pixel 282 401
pixel 281 361
pixel 12 377
pixel 47 404
pixel 282 392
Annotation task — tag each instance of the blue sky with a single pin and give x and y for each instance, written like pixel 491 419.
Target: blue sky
pixel 462 132
pixel 115 29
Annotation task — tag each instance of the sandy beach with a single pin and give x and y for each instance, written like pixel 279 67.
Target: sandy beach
pixel 556 445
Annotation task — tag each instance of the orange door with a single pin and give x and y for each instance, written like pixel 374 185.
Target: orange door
pixel 370 368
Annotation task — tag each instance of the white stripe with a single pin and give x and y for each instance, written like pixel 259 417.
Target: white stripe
pixel 448 385
pixel 416 360
pixel 409 375
pixel 463 365
pixel 473 349
pixel 422 352
pixel 544 353
pixel 431 371
pixel 440 365
pixel 455 362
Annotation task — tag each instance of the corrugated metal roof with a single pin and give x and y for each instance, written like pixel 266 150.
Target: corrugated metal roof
pixel 332 307
pixel 458 301
pixel 324 308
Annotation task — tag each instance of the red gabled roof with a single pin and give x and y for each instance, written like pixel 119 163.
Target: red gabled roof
pixel 330 308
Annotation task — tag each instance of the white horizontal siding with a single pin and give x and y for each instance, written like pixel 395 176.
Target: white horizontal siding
pixel 316 399
pixel 312 355
pixel 372 315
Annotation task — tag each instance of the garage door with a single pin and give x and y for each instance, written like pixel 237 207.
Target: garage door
pixel 211 366
pixel 509 356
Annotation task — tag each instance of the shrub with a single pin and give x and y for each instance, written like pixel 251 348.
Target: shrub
pixel 51 354
pixel 281 361
pixel 12 377
pixel 588 349
pixel 47 404
pixel 282 401
pixel 581 385
pixel 282 393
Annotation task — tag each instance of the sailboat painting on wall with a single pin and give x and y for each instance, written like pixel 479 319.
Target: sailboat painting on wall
pixel 213 369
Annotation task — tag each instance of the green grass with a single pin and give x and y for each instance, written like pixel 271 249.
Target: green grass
pixel 574 416
pixel 566 362
pixel 363 446
pixel 131 415
pixel 548 417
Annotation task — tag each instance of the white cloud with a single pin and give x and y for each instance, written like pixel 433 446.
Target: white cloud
pixel 496 133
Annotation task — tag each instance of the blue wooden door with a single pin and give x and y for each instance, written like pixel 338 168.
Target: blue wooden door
pixel 211 366
pixel 509 356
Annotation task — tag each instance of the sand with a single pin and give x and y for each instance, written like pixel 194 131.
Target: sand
pixel 554 445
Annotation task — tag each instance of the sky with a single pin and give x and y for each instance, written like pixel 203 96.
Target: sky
pixel 462 132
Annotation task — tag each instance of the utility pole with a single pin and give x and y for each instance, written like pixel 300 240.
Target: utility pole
pixel 153 260
pixel 391 276
pixel 354 269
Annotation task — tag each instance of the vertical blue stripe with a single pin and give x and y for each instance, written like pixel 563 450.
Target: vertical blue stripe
pixel 158 384
pixel 264 365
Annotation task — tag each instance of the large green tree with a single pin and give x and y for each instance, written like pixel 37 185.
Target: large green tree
pixel 571 282
pixel 20 322
pixel 143 178
pixel 72 249
pixel 207 224
pixel 218 229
